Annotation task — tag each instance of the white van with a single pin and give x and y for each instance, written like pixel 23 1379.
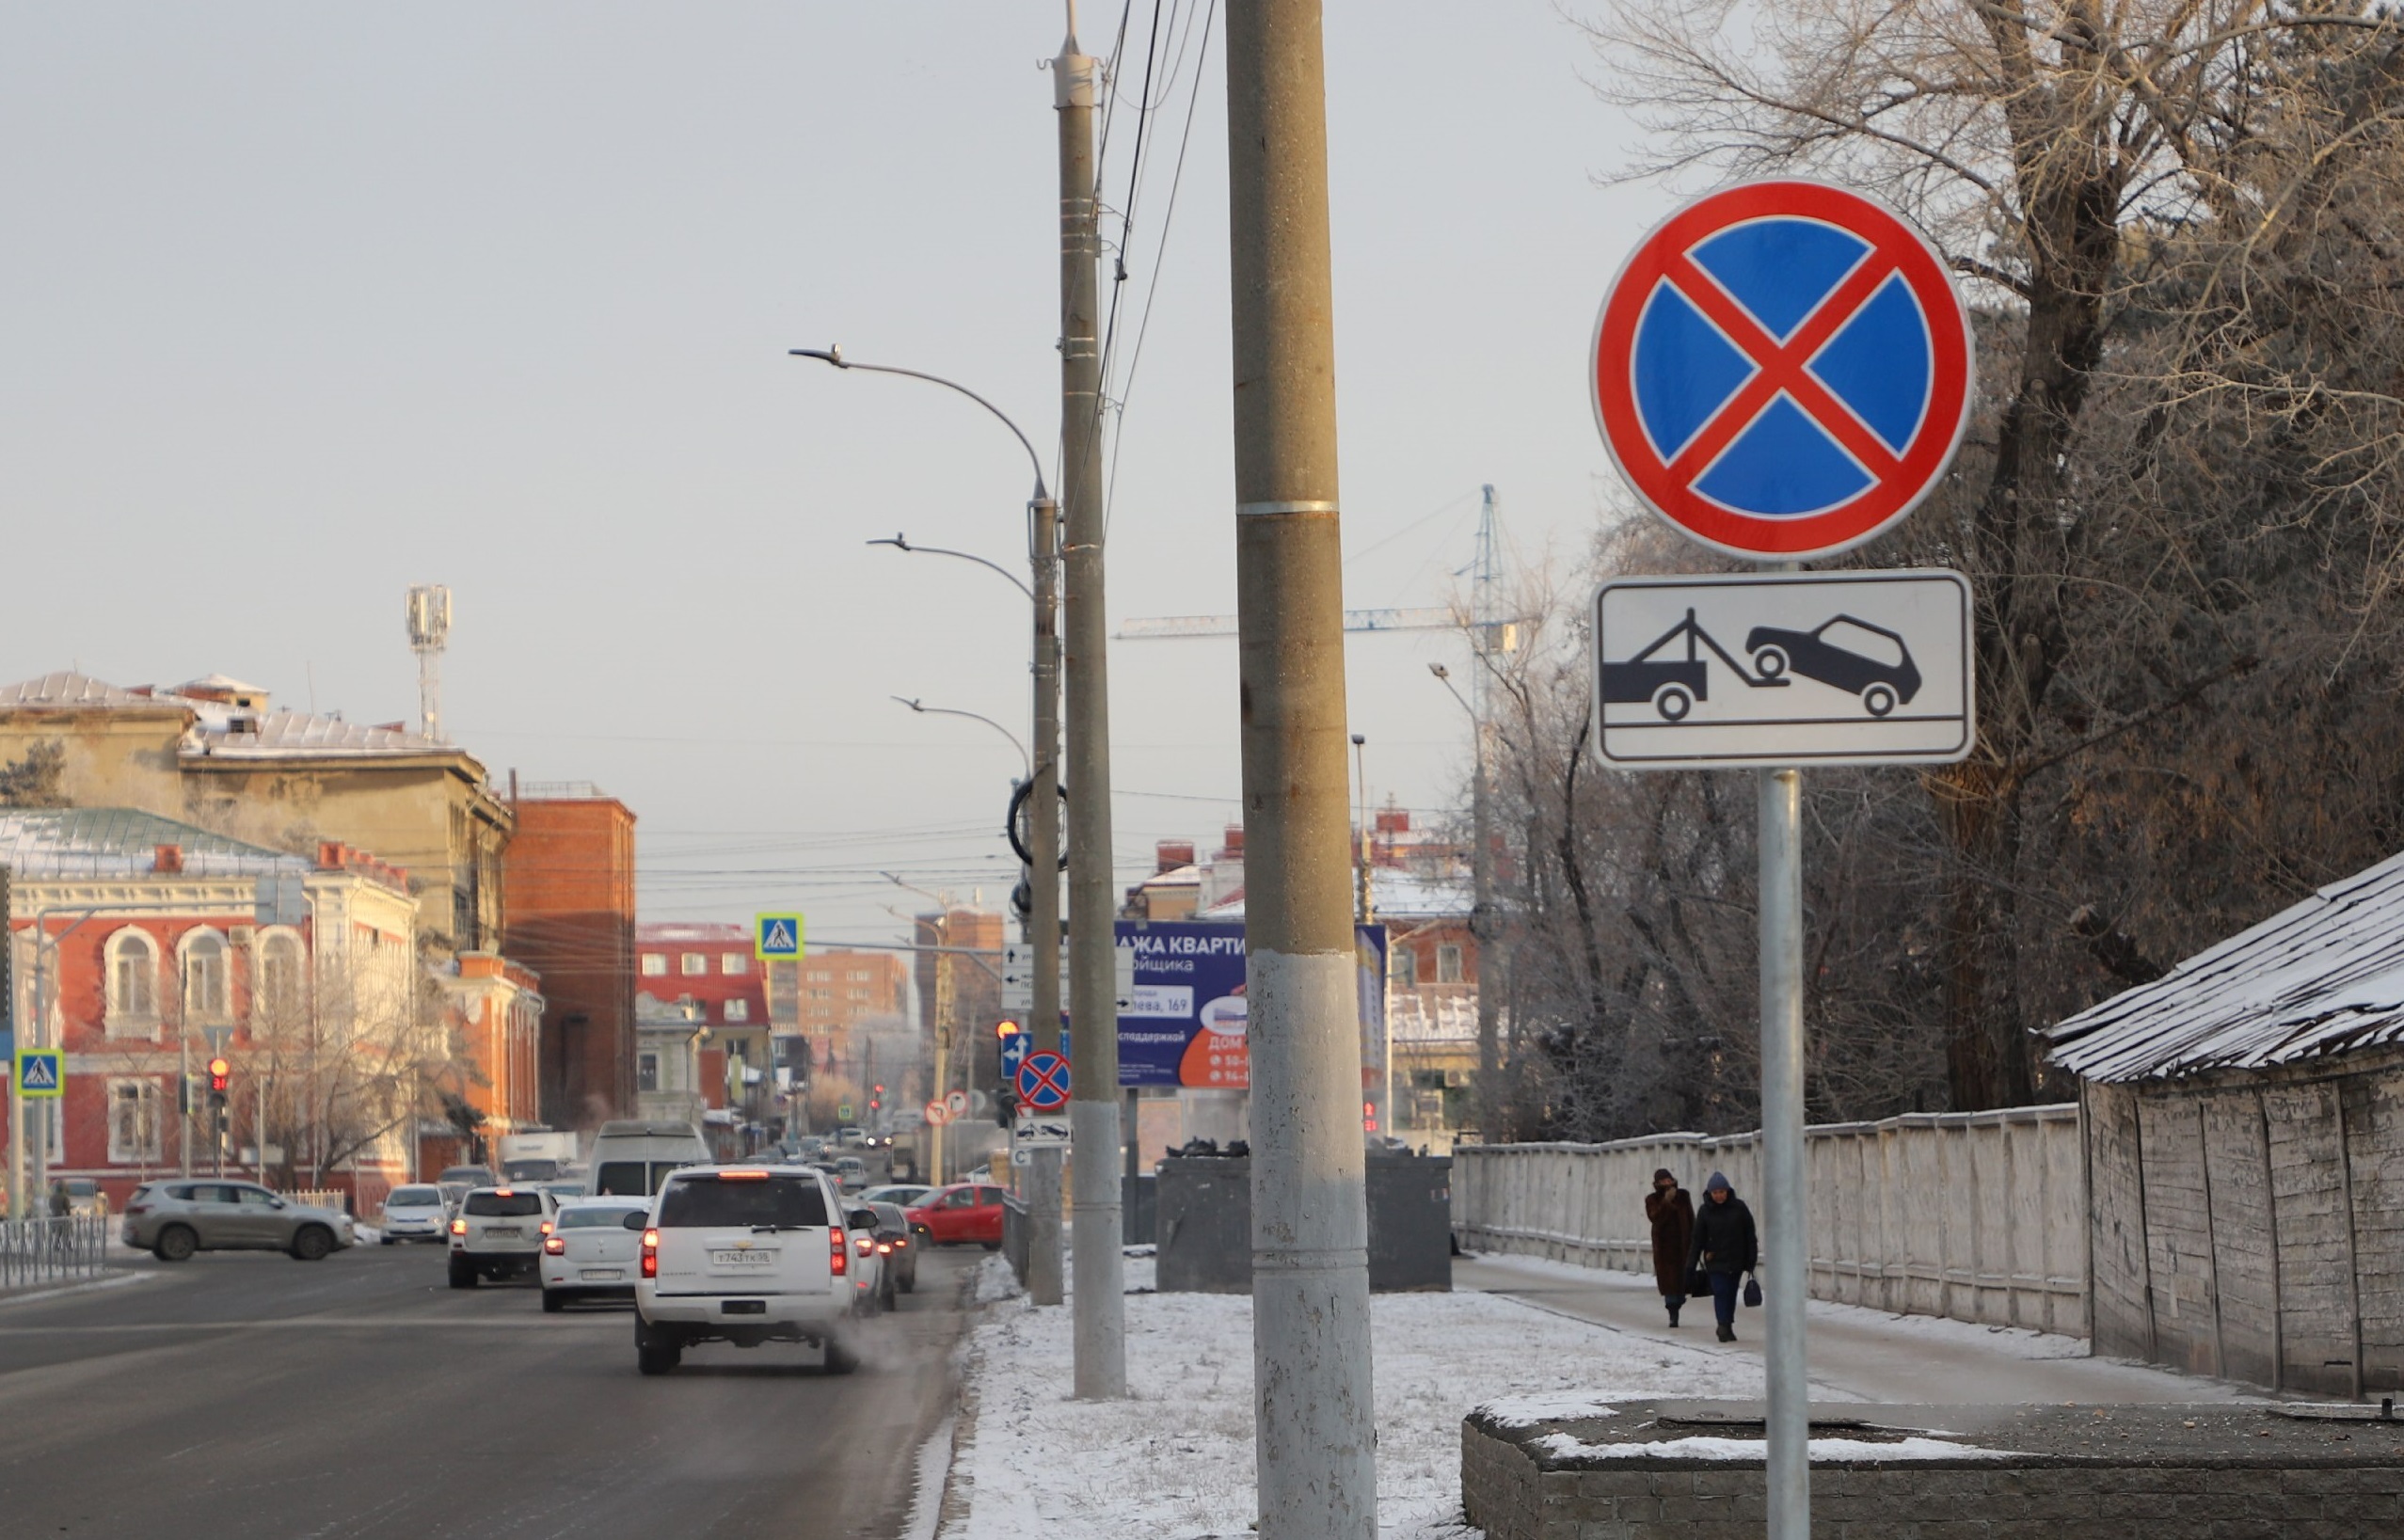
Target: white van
pixel 631 1158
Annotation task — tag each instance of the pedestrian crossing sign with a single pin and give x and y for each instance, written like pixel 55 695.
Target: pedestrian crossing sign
pixel 776 938
pixel 40 1072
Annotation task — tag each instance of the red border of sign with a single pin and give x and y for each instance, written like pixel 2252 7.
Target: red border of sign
pixel 1027 1066
pixel 1920 466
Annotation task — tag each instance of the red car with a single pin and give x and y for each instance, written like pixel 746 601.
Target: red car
pixel 968 1211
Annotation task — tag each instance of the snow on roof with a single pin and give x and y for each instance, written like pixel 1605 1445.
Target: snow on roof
pixel 709 930
pixel 1416 1017
pixel 66 690
pixel 70 842
pixel 2322 978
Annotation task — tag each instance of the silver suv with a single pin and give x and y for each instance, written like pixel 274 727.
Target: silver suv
pixel 173 1219
pixel 499 1233
pixel 750 1254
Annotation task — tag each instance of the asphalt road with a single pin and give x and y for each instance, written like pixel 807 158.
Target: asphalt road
pixel 246 1396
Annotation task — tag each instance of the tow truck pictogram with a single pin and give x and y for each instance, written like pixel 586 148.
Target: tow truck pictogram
pixel 1671 686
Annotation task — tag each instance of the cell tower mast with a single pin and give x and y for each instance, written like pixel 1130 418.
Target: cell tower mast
pixel 429 629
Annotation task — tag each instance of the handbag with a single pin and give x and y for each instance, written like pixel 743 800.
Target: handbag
pixel 1753 1290
pixel 1698 1284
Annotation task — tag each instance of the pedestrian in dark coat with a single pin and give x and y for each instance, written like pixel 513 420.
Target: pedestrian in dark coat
pixel 1671 1209
pixel 1725 1247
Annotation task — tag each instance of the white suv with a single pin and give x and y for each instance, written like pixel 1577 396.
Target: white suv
pixel 499 1232
pixel 750 1254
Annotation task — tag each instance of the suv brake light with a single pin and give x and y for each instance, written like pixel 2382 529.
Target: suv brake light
pixel 866 1243
pixel 650 1253
pixel 839 1258
pixel 555 1246
pixel 742 1176
pixel 459 1226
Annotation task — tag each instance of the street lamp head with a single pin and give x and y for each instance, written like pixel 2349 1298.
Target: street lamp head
pixel 831 353
pixel 1440 671
pixel 1358 740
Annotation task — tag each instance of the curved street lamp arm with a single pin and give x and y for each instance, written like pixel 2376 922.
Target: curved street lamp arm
pixel 833 355
pixel 947 711
pixel 901 542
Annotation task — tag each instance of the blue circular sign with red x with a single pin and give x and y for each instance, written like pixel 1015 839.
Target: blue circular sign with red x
pixel 1043 1081
pixel 1782 369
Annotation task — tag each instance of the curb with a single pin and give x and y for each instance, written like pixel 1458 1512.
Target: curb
pixel 119 1281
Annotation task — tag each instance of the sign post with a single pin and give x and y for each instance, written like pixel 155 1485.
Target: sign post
pixel 1782 371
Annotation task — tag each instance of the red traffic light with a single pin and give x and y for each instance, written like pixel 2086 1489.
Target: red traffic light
pixel 218 1072
pixel 1005 1028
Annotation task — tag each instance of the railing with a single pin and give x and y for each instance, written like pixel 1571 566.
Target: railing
pixel 37 1251
pixel 321 1198
pixel 1980 1216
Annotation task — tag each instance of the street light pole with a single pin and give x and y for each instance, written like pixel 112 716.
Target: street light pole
pixel 1489 1106
pixel 1100 1309
pixel 1314 1436
pixel 1044 818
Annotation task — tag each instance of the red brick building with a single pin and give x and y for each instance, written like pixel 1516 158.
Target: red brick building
pixel 569 873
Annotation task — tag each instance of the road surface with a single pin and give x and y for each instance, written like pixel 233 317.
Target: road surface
pixel 246 1396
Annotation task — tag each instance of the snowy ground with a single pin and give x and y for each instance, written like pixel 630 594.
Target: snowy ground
pixel 1175 1461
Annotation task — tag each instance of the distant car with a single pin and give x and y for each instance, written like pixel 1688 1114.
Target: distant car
pixel 853 1173
pixel 897 1246
pixel 419 1212
pixel 173 1219
pixel 1846 654
pixel 901 1194
pixel 750 1254
pixel 562 1191
pixel 474 1176
pixel 532 1168
pixel 499 1233
pixel 963 1214
pixel 84 1201
pixel 593 1250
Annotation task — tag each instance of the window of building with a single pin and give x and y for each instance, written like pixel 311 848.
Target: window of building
pixel 280 978
pixel 132 983
pixel 695 965
pixel 204 977
pixel 859 994
pixel 1404 965
pixel 739 1010
pixel 822 994
pixel 858 975
pixel 731 964
pixel 133 1121
pixel 647 1071
pixel 1448 964
pixel 655 964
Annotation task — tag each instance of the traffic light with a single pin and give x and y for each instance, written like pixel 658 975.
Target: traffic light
pixel 1005 1028
pixel 219 1073
pixel 876 1100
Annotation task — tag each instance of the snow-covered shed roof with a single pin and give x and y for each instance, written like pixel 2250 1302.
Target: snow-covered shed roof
pixel 2322 978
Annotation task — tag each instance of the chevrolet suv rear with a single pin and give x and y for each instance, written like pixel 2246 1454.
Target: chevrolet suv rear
pixel 746 1254
pixel 498 1233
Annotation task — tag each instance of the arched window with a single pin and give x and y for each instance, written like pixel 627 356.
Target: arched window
pixel 204 977
pixel 132 983
pixel 279 996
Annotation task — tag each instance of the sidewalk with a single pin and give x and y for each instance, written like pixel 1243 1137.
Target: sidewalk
pixel 1855 1352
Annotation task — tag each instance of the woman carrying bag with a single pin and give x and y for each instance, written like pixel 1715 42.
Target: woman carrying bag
pixel 1726 1247
pixel 1671 1209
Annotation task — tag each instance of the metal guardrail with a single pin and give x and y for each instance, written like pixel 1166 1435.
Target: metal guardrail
pixel 35 1251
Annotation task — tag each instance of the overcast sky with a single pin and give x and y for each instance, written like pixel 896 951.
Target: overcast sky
pixel 305 304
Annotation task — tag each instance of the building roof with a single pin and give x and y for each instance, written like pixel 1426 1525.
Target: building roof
pixel 106 842
pixel 2322 978
pixel 715 932
pixel 266 735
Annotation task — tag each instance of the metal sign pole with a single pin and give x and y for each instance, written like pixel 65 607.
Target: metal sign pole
pixel 1785 1256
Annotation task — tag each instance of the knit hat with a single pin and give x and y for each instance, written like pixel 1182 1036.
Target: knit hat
pixel 1663 1175
pixel 1719 1183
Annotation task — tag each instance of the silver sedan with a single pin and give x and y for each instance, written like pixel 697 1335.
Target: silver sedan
pixel 173 1219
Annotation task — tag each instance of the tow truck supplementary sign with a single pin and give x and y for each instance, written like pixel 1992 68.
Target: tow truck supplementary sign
pixel 1860 668
pixel 1782 369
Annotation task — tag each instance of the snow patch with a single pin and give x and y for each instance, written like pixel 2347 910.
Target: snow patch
pixel 1528 1411
pixel 1562 1445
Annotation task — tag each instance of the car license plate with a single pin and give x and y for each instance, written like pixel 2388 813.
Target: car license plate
pixel 495 1230
pixel 742 1259
pixel 603 1275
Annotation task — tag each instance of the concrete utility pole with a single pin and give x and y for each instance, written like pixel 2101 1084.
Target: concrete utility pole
pixel 1043 1283
pixel 1100 1326
pixel 1314 1430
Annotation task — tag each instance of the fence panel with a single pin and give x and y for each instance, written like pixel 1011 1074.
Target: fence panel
pixel 1980 1216
pixel 64 1251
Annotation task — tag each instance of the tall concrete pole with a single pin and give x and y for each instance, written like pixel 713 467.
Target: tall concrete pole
pixel 1313 1432
pixel 1785 1252
pixel 1044 889
pixel 1100 1326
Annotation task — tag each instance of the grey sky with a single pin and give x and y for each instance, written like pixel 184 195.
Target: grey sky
pixel 306 304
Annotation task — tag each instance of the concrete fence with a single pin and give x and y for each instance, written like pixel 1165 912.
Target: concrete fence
pixel 1977 1217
